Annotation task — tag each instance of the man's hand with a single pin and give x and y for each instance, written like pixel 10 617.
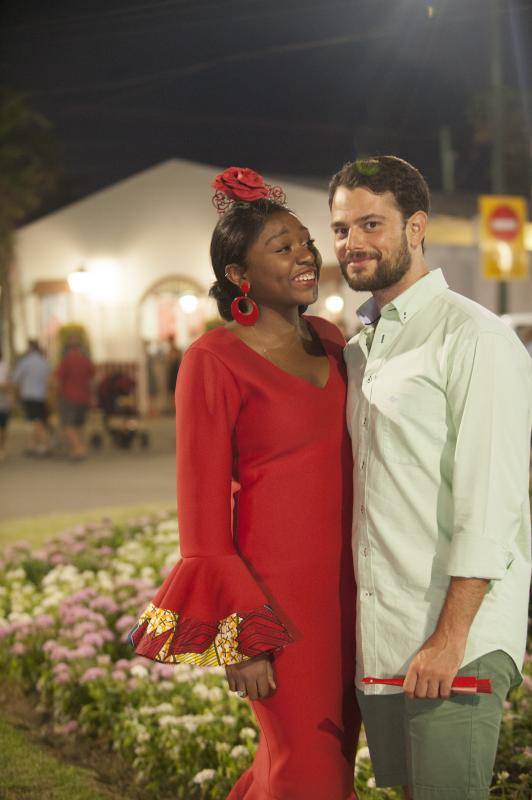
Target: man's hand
pixel 254 677
pixel 434 667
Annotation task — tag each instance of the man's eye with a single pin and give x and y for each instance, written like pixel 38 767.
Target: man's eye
pixel 371 224
pixel 341 233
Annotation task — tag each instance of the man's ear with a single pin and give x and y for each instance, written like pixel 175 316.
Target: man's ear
pixel 416 228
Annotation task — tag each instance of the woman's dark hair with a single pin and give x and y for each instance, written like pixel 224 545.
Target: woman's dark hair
pixel 234 234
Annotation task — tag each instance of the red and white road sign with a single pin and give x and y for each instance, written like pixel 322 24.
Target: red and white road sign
pixel 504 223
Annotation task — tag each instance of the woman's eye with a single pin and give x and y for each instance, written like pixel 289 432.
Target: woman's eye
pixel 284 249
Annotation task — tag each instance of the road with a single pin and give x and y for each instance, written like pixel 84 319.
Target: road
pixel 109 477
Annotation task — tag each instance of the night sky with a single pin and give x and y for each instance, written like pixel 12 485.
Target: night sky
pixel 290 88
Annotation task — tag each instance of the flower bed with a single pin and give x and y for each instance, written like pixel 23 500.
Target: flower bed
pixel 65 611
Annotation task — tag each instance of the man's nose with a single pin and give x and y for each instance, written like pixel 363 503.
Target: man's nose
pixel 355 239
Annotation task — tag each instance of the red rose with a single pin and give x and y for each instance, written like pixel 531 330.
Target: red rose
pixel 239 183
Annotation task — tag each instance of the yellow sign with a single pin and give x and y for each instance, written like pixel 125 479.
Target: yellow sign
pixel 502 237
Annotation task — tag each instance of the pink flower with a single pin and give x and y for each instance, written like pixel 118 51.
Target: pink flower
pixel 69 727
pixel 57 558
pixel 44 621
pixel 125 622
pixel 93 638
pixel 18 649
pixel 123 663
pixel 62 677
pixel 5 631
pixel 92 674
pixel 84 651
pixel 119 675
pixel 106 604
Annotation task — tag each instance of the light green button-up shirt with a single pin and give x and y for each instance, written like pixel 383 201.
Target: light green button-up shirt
pixel 439 411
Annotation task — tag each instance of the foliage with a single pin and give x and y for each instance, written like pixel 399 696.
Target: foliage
pixel 65 610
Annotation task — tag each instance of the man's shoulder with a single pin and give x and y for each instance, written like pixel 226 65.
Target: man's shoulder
pixel 462 311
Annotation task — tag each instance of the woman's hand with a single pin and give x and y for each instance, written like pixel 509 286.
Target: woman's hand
pixel 254 677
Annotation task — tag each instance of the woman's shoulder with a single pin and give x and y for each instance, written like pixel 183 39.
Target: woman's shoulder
pixel 218 342
pixel 326 329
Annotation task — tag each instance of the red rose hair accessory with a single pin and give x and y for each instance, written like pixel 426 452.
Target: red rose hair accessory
pixel 240 183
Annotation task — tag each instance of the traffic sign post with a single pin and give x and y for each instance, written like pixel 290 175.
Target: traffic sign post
pixel 502 242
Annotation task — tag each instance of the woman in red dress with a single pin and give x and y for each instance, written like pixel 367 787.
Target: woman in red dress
pixel 268 591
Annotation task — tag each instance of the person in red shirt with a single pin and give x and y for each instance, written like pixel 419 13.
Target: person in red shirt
pixel 74 375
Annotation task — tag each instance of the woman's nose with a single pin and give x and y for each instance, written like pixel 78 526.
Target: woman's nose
pixel 305 254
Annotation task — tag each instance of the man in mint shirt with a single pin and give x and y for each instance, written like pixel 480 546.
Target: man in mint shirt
pixel 439 410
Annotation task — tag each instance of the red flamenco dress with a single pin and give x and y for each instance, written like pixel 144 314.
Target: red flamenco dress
pixel 278 575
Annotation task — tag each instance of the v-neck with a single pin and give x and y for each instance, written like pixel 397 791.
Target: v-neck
pixel 284 371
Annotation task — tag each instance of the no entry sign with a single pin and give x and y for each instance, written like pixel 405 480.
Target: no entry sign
pixel 502 222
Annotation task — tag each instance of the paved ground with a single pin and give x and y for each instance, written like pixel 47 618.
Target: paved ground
pixel 109 477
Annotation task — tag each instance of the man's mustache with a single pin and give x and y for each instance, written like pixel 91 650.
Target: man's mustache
pixel 361 255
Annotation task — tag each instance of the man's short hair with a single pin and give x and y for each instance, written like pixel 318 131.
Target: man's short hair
pixel 382 174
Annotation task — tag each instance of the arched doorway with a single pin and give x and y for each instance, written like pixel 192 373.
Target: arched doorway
pixel 173 312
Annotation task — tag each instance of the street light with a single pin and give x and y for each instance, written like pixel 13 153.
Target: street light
pixel 188 303
pixel 334 303
pixel 80 281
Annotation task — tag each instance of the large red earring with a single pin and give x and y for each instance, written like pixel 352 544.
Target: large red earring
pixel 244 317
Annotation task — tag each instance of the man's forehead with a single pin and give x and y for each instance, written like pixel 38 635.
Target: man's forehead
pixel 361 201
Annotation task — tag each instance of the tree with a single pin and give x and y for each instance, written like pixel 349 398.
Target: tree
pixel 517 142
pixel 27 172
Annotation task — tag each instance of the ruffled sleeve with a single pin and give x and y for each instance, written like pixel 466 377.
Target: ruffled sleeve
pixel 210 610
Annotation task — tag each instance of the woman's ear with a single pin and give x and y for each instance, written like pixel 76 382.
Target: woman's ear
pixel 234 273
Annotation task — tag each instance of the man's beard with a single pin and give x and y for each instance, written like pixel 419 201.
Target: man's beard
pixel 387 272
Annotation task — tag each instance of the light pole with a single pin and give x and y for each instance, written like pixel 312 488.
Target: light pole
pixel 498 178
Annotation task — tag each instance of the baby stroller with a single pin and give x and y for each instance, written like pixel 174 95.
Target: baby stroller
pixel 120 418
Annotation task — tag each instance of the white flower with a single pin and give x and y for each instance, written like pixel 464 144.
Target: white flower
pixel 204 776
pixel 138 671
pixel 239 750
pixel 248 733
pixel 164 708
pixel 168 720
pixel 215 694
pixel 362 753
pixel 201 691
pixel 222 747
pixel 228 720
pixel 370 783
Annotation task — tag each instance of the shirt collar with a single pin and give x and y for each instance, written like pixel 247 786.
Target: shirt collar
pixel 408 303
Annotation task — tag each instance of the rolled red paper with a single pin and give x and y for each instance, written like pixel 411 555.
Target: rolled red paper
pixel 467 684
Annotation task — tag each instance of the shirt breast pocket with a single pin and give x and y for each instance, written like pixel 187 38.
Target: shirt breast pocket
pixel 414 428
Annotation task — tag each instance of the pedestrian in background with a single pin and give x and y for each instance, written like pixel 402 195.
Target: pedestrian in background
pixel 30 376
pixel 5 403
pixel 74 375
pixel 173 362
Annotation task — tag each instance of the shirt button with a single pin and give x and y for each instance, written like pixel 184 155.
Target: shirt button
pixel 363 465
pixel 364 551
pixel 367 594
pixel 368 380
pixel 365 421
pixel 362 509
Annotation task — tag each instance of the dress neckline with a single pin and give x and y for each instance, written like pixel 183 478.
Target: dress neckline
pixel 284 371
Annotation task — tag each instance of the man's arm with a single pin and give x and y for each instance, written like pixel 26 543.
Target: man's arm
pixel 489 400
pixel 433 669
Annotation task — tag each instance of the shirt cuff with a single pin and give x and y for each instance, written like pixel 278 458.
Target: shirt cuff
pixel 477 557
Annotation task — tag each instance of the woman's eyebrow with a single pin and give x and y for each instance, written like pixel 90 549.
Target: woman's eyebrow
pixel 276 235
